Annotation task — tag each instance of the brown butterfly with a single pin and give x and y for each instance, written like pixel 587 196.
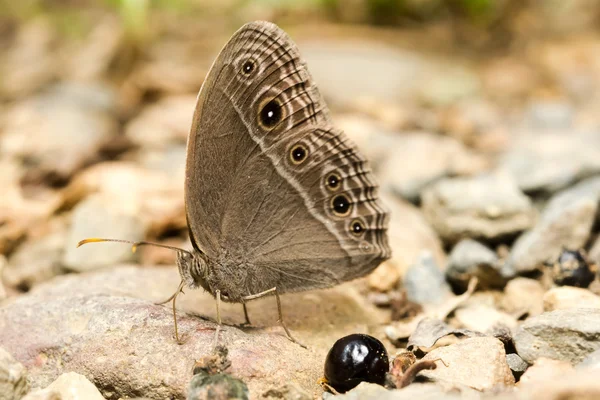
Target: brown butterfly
pixel 277 199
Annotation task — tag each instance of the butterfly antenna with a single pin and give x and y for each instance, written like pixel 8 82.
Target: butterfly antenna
pixel 134 245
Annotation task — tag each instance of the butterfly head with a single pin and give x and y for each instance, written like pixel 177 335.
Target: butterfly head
pixel 193 268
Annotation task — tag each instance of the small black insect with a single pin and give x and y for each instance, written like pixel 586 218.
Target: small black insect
pixel 573 269
pixel 354 359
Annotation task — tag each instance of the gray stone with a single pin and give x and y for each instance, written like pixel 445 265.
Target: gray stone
pixel 559 298
pixel 421 158
pixel 569 334
pixel 486 207
pixel 483 318
pixel 13 377
pixel 469 259
pixel 98 216
pixel 448 83
pixel 153 196
pixel 68 386
pixel 479 363
pixel 372 138
pixel 47 128
pixel 288 391
pixel 516 364
pixel 428 391
pixel 39 258
pixel 394 74
pixel 565 158
pixel 32 61
pixel 523 296
pixel 550 115
pixel 545 370
pixel 126 346
pixel 162 123
pixel 425 283
pixel 565 222
pixel 430 330
pixel 591 361
pixel 410 235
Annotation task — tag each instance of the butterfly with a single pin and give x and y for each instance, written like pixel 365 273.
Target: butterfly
pixel 277 199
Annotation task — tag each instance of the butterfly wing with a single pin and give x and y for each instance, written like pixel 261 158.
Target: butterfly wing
pixel 275 195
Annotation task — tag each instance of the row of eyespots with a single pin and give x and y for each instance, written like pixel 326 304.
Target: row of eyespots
pixel 270 115
pixel 340 204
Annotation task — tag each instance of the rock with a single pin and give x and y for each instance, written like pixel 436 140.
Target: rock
pixel 508 77
pixel 574 385
pixel 39 258
pixel 565 222
pixel 516 364
pixel 592 361
pixel 545 370
pixel 486 207
pixel 288 391
pixel 97 53
pixel 421 158
pixel 424 282
pixel 469 259
pixel 569 334
pixel 19 211
pixel 13 377
pixel 479 363
pixel 430 330
pixel 46 129
pixel 164 122
pixel 371 136
pixel 32 60
pixel 98 216
pixel 154 196
pixel 409 235
pixel 523 296
pixel 126 345
pixel 421 391
pixel 43 395
pixel 474 122
pixel 170 160
pixel 366 390
pixel 552 16
pixel 451 83
pixel 564 297
pixel 69 386
pixel 551 114
pixel 218 387
pixel 384 278
pixel 482 318
pixel 394 72
pixel 551 167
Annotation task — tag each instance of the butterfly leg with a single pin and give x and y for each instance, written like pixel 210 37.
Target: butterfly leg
pixel 280 313
pixel 174 298
pixel 218 302
pixel 246 317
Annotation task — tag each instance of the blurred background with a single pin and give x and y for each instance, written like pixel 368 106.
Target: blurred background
pixel 96 99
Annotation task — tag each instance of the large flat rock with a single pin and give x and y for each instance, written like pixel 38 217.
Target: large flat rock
pixel 105 326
